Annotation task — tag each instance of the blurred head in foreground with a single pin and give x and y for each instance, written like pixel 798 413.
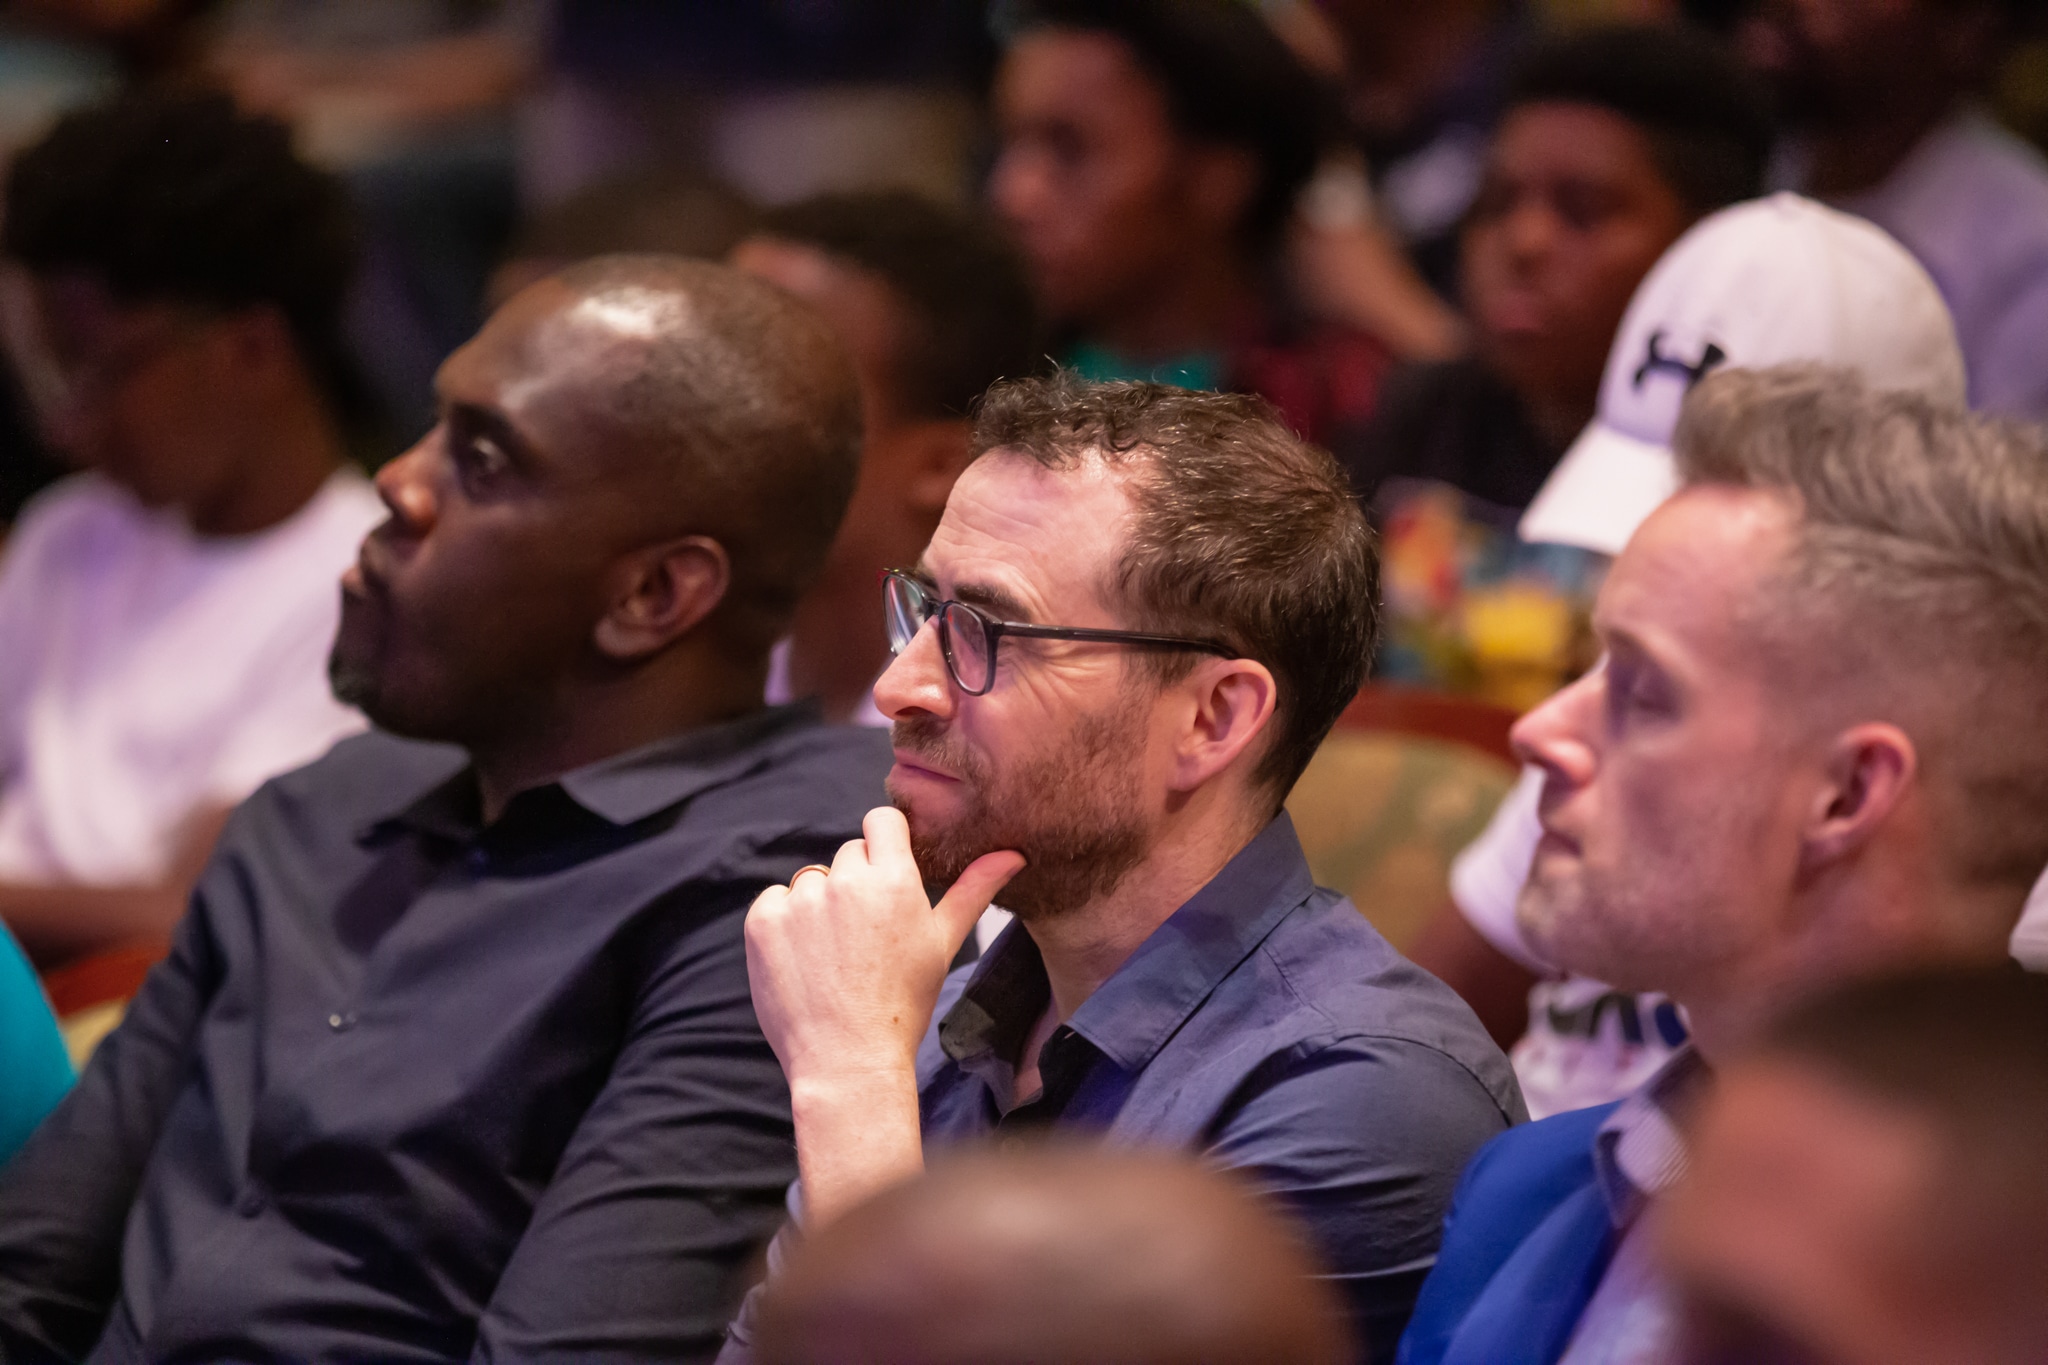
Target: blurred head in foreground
pixel 1867 1186
pixel 1052 1257
pixel 1813 749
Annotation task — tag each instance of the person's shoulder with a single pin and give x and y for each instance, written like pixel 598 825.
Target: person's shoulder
pixel 1538 1163
pixel 1352 988
pixel 365 775
pixel 819 763
pixel 75 512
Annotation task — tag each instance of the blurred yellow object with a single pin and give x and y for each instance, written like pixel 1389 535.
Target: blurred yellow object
pixel 1519 638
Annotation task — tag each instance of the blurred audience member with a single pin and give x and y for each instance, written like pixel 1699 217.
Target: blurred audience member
pixel 1813 752
pixel 35 1069
pixel 933 309
pixel 1614 142
pixel 784 100
pixel 1056 1256
pixel 164 616
pixel 1424 86
pixel 1770 282
pixel 1152 152
pixel 1867 1186
pixel 1141 613
pixel 415 103
pixel 453 1055
pixel 1884 99
pixel 667 214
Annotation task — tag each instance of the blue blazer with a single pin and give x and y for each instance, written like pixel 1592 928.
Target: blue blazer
pixel 1525 1244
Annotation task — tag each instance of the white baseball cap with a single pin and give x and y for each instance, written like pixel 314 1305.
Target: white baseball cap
pixel 1766 282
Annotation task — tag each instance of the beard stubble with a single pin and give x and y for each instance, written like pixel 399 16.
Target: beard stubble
pixel 1075 813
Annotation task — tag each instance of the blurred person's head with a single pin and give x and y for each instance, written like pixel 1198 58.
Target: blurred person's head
pixel 1147 147
pixel 1055 1257
pixel 178 291
pixel 933 308
pixel 1813 748
pixel 1614 141
pixel 1866 1186
pixel 637 469
pixel 650 213
pixel 1134 507
pixel 1840 63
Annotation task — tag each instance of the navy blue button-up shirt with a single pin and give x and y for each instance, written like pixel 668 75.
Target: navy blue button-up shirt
pixel 1269 1026
pixel 411 1088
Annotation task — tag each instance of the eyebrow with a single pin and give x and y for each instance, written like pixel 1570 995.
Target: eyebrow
pixel 983 595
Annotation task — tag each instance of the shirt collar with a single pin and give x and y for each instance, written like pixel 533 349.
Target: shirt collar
pixel 622 789
pixel 1131 1016
pixel 1639 1152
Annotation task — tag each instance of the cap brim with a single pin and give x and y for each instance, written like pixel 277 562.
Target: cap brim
pixel 1602 489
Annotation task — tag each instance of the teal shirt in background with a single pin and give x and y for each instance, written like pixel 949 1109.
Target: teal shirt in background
pixel 35 1070
pixel 1101 365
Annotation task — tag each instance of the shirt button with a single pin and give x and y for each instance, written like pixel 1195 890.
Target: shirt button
pixel 251 1203
pixel 341 1023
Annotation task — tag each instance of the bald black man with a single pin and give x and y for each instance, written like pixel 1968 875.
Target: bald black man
pixel 453 1056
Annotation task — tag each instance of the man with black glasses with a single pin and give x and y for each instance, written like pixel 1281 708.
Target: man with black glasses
pixel 1142 611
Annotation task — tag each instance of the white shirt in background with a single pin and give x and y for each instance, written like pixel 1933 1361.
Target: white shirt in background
pixel 147 673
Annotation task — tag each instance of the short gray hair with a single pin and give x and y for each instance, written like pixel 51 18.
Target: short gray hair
pixel 1920 556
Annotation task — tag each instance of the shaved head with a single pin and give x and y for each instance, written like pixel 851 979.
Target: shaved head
pixel 1055 1256
pixel 638 468
pixel 735 410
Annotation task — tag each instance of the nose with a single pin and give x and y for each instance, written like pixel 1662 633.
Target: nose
pixel 916 683
pixel 1017 186
pixel 1557 735
pixel 1529 230
pixel 406 485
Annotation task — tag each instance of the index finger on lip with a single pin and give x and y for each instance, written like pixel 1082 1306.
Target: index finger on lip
pixel 888 836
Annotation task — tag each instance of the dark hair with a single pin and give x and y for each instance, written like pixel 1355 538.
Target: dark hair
pixel 1707 119
pixel 1227 78
pixel 964 292
pixel 178 196
pixel 1244 533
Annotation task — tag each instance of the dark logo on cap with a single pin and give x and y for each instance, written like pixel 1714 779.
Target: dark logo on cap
pixel 1693 373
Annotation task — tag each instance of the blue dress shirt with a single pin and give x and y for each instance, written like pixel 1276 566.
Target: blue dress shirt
pixel 411 1088
pixel 1269 1026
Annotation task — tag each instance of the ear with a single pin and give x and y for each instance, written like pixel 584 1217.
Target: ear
pixel 661 594
pixel 938 454
pixel 1222 182
pixel 1231 705
pixel 1869 771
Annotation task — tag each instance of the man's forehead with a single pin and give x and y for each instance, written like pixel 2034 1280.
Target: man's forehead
pixel 548 357
pixel 1694 572
pixel 1046 538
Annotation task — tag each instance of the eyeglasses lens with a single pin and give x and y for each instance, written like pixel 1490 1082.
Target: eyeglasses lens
pixel 968 648
pixel 906 607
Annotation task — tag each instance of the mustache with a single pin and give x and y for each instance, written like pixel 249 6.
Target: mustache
pixel 926 737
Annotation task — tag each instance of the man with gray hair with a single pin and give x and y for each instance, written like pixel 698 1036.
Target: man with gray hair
pixel 1812 752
